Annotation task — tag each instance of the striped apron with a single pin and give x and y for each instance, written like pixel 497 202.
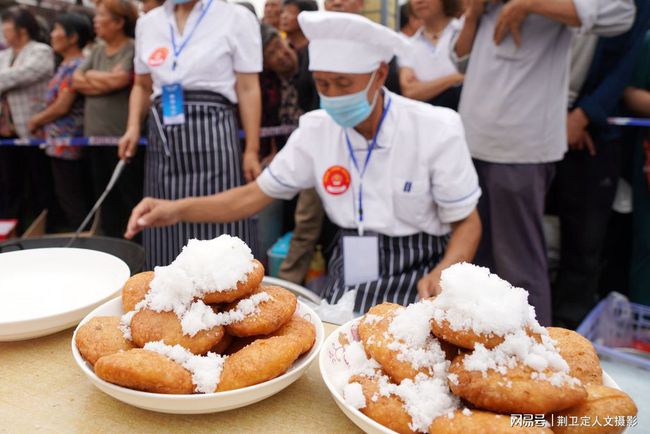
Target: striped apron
pixel 199 158
pixel 403 261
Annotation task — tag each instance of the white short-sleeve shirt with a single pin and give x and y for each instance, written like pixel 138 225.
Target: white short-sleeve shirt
pixel 226 41
pixel 420 177
pixel 430 61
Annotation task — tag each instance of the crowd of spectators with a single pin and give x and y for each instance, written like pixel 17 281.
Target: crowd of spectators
pixel 534 104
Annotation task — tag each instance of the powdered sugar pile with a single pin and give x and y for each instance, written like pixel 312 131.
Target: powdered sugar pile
pixel 474 299
pixel 412 339
pixel 203 266
pixel 215 265
pixel 357 363
pixel 206 370
pixel 353 395
pixel 519 348
pixel 424 398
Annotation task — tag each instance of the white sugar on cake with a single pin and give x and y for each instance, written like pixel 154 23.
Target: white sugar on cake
pixel 206 370
pixel 216 265
pixel 412 339
pixel 521 349
pixel 203 266
pixel 424 399
pixel 473 299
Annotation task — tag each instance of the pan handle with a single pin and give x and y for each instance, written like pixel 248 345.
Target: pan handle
pixel 18 244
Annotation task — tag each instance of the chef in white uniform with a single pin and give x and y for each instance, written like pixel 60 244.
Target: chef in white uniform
pixel 394 174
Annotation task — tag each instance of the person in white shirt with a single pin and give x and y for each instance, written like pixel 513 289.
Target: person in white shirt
pixel 426 70
pixel 196 60
pixel 394 174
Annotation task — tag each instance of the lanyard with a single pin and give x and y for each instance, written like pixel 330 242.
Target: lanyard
pixel 362 171
pixel 179 49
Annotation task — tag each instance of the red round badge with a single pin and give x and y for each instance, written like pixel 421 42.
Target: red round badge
pixel 336 180
pixel 158 56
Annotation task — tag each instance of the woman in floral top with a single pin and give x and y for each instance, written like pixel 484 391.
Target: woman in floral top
pixel 63 117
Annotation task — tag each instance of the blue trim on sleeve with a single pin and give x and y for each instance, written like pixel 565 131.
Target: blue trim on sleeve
pixel 461 199
pixel 279 181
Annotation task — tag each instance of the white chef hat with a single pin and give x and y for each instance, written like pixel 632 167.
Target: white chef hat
pixel 347 43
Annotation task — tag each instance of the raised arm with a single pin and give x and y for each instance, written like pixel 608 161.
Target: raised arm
pixel 231 205
pixel 465 40
pixel 600 17
pixel 250 111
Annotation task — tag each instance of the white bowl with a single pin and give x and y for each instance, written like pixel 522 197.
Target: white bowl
pixel 47 290
pixel 331 361
pixel 199 403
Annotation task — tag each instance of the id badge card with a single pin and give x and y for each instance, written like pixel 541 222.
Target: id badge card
pixel 172 104
pixel 360 259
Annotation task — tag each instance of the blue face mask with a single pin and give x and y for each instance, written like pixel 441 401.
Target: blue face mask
pixel 349 110
pixel 180 2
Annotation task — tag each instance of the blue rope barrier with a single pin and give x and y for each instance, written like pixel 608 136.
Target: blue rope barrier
pixel 629 122
pixel 266 132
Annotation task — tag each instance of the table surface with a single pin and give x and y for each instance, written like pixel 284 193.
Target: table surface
pixel 43 390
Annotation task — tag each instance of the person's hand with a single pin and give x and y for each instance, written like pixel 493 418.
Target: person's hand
pixel 429 285
pixel 577 122
pixel 32 125
pixel 252 168
pixel 128 144
pixel 475 8
pixel 152 212
pixel 588 144
pixel 510 20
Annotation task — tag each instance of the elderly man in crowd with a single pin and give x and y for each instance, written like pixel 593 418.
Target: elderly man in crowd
pixel 513 107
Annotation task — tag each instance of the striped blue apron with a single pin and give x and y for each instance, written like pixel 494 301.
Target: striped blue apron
pixel 403 261
pixel 199 158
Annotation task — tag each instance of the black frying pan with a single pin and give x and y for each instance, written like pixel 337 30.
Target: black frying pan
pixel 128 251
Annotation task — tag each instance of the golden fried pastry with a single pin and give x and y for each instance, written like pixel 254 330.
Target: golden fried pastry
pixel 579 353
pixel 145 370
pixel 300 329
pixel 480 422
pixel 135 289
pixel 101 336
pixel 243 289
pixel 150 326
pixel 463 338
pixel 515 392
pixel 451 350
pixel 239 343
pixel 272 314
pixel 602 403
pixel 373 332
pixel 223 344
pixel 258 362
pixel 386 410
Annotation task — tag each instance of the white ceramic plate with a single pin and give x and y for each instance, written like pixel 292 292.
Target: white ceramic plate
pixel 331 361
pixel 200 403
pixel 44 291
